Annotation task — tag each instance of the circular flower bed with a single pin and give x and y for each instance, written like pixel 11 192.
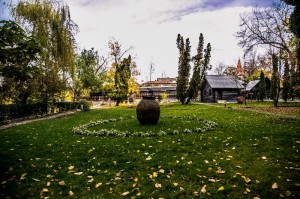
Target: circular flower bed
pixel 206 125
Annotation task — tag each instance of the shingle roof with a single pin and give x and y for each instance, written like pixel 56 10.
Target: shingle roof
pixel 251 85
pixel 223 81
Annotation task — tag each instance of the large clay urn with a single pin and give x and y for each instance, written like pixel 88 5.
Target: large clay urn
pixel 148 110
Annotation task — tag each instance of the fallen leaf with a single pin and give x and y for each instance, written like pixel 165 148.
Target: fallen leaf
pixel 203 190
pixel 148 158
pixel 220 171
pixel 275 186
pixel 125 193
pixel 91 180
pixel 23 176
pixel 157 185
pixel 62 183
pixel 264 157
pixel 288 193
pixel 45 190
pixel 48 184
pixel 71 193
pixel 98 185
pixel 248 190
pixel 71 167
pixel 256 197
pixel 36 180
pixel 175 184
pixel 221 188
pixel 161 171
pixel 78 173
pixel 154 175
pixel 196 194
pixel 135 179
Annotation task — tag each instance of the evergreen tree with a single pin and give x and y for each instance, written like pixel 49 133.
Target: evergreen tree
pixel 262 86
pixel 122 76
pixel 286 81
pixel 195 81
pixel 275 82
pixel 183 68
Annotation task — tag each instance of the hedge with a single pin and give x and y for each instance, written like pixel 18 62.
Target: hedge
pixel 15 111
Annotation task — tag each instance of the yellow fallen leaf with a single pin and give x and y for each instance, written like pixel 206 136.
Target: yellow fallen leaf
pixel 248 190
pixel 220 171
pixel 91 180
pixel 256 197
pixel 48 184
pixel 175 184
pixel 154 175
pixel 35 179
pixel 23 176
pixel 203 190
pixel 45 190
pixel 71 167
pixel 161 171
pixel 247 180
pixel 275 186
pixel 196 194
pixel 221 188
pixel 125 193
pixel 157 185
pixel 98 185
pixel 62 183
pixel 135 179
pixel 78 173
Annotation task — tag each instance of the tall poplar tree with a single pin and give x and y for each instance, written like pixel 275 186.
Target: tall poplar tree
pixel 183 68
pixel 275 82
pixel 262 86
pixel 200 68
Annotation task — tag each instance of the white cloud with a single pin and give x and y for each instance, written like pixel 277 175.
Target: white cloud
pixel 151 26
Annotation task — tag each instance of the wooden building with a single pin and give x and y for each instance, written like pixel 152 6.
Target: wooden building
pixel 252 89
pixel 220 87
pixel 157 91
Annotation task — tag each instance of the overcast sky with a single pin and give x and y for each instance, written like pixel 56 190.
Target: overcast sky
pixel 151 27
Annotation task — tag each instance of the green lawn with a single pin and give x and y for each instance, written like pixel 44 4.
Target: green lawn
pixel 244 157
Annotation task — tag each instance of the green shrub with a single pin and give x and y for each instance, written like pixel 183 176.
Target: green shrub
pixel 86 105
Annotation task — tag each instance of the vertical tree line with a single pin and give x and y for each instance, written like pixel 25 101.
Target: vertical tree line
pixel 188 89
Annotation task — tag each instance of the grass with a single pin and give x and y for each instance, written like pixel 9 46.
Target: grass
pixel 246 146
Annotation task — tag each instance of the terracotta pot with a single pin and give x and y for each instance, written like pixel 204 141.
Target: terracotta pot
pixel 148 110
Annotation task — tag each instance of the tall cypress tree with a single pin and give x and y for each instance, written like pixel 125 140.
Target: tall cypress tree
pixel 262 86
pixel 275 83
pixel 286 81
pixel 183 68
pixel 195 81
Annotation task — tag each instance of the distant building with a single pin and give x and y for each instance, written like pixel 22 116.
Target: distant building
pixel 221 87
pixel 237 71
pixel 167 81
pixel 159 86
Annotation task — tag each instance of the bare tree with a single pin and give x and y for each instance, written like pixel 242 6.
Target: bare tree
pixel 267 27
pixel 220 68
